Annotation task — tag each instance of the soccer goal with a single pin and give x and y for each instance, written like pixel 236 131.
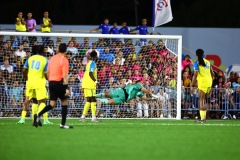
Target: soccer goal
pixel 153 59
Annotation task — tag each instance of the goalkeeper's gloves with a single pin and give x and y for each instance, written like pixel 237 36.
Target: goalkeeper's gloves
pixel 154 97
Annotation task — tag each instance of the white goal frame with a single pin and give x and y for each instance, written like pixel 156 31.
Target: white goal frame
pixel 92 35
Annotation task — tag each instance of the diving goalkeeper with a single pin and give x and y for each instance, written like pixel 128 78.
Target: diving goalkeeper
pixel 129 92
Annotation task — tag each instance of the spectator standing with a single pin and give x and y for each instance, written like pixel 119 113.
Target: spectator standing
pixel 114 30
pixel 124 29
pixel 105 29
pixel 46 25
pixel 20 27
pixel 143 30
pixel 31 27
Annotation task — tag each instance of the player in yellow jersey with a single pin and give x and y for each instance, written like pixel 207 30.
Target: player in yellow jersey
pixel 89 83
pixel 34 106
pixel 34 71
pixel 204 75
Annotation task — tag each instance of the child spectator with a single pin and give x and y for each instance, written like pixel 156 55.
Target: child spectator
pixel 221 82
pixel 143 30
pixel 114 30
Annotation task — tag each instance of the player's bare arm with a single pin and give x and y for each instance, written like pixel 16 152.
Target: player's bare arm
pixel 193 79
pixel 144 90
pixel 25 72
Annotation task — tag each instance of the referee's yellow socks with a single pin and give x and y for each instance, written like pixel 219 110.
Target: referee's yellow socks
pixel 203 114
pixel 34 109
pixel 86 108
pixel 93 108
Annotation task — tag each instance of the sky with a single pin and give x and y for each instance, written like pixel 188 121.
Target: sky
pixel 186 13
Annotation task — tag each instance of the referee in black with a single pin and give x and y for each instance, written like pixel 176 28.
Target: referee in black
pixel 58 69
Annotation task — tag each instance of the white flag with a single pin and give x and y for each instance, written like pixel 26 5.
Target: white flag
pixel 162 12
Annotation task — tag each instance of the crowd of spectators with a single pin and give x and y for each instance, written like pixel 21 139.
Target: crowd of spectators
pixel 120 62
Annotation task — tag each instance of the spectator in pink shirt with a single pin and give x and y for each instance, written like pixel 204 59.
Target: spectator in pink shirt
pixel 146 79
pixel 164 52
pixel 137 65
pixel 221 83
pixel 81 72
pixel 136 75
pixel 102 74
pixel 186 62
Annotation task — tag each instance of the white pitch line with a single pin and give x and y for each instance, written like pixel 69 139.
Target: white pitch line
pixel 137 124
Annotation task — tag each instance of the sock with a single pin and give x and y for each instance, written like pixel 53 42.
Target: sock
pixel 100 95
pixel 47 108
pixel 86 108
pixel 64 114
pixel 45 116
pixel 41 106
pixel 104 100
pixel 203 114
pixel 93 109
pixel 23 115
pixel 34 109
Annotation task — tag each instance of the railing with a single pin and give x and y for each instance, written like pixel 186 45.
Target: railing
pixel 221 102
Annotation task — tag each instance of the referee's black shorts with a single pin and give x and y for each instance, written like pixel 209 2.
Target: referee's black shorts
pixel 57 90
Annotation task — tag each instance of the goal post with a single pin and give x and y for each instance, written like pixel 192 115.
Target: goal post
pixel 127 56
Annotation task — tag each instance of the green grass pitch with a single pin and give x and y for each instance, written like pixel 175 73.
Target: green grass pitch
pixel 142 139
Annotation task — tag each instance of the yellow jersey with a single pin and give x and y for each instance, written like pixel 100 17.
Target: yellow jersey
pixel 20 27
pixel 45 22
pixel 37 66
pixel 204 73
pixel 87 82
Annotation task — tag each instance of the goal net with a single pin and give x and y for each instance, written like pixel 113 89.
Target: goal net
pixel 153 59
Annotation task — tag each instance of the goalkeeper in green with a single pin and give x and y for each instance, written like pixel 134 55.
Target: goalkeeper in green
pixel 121 95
